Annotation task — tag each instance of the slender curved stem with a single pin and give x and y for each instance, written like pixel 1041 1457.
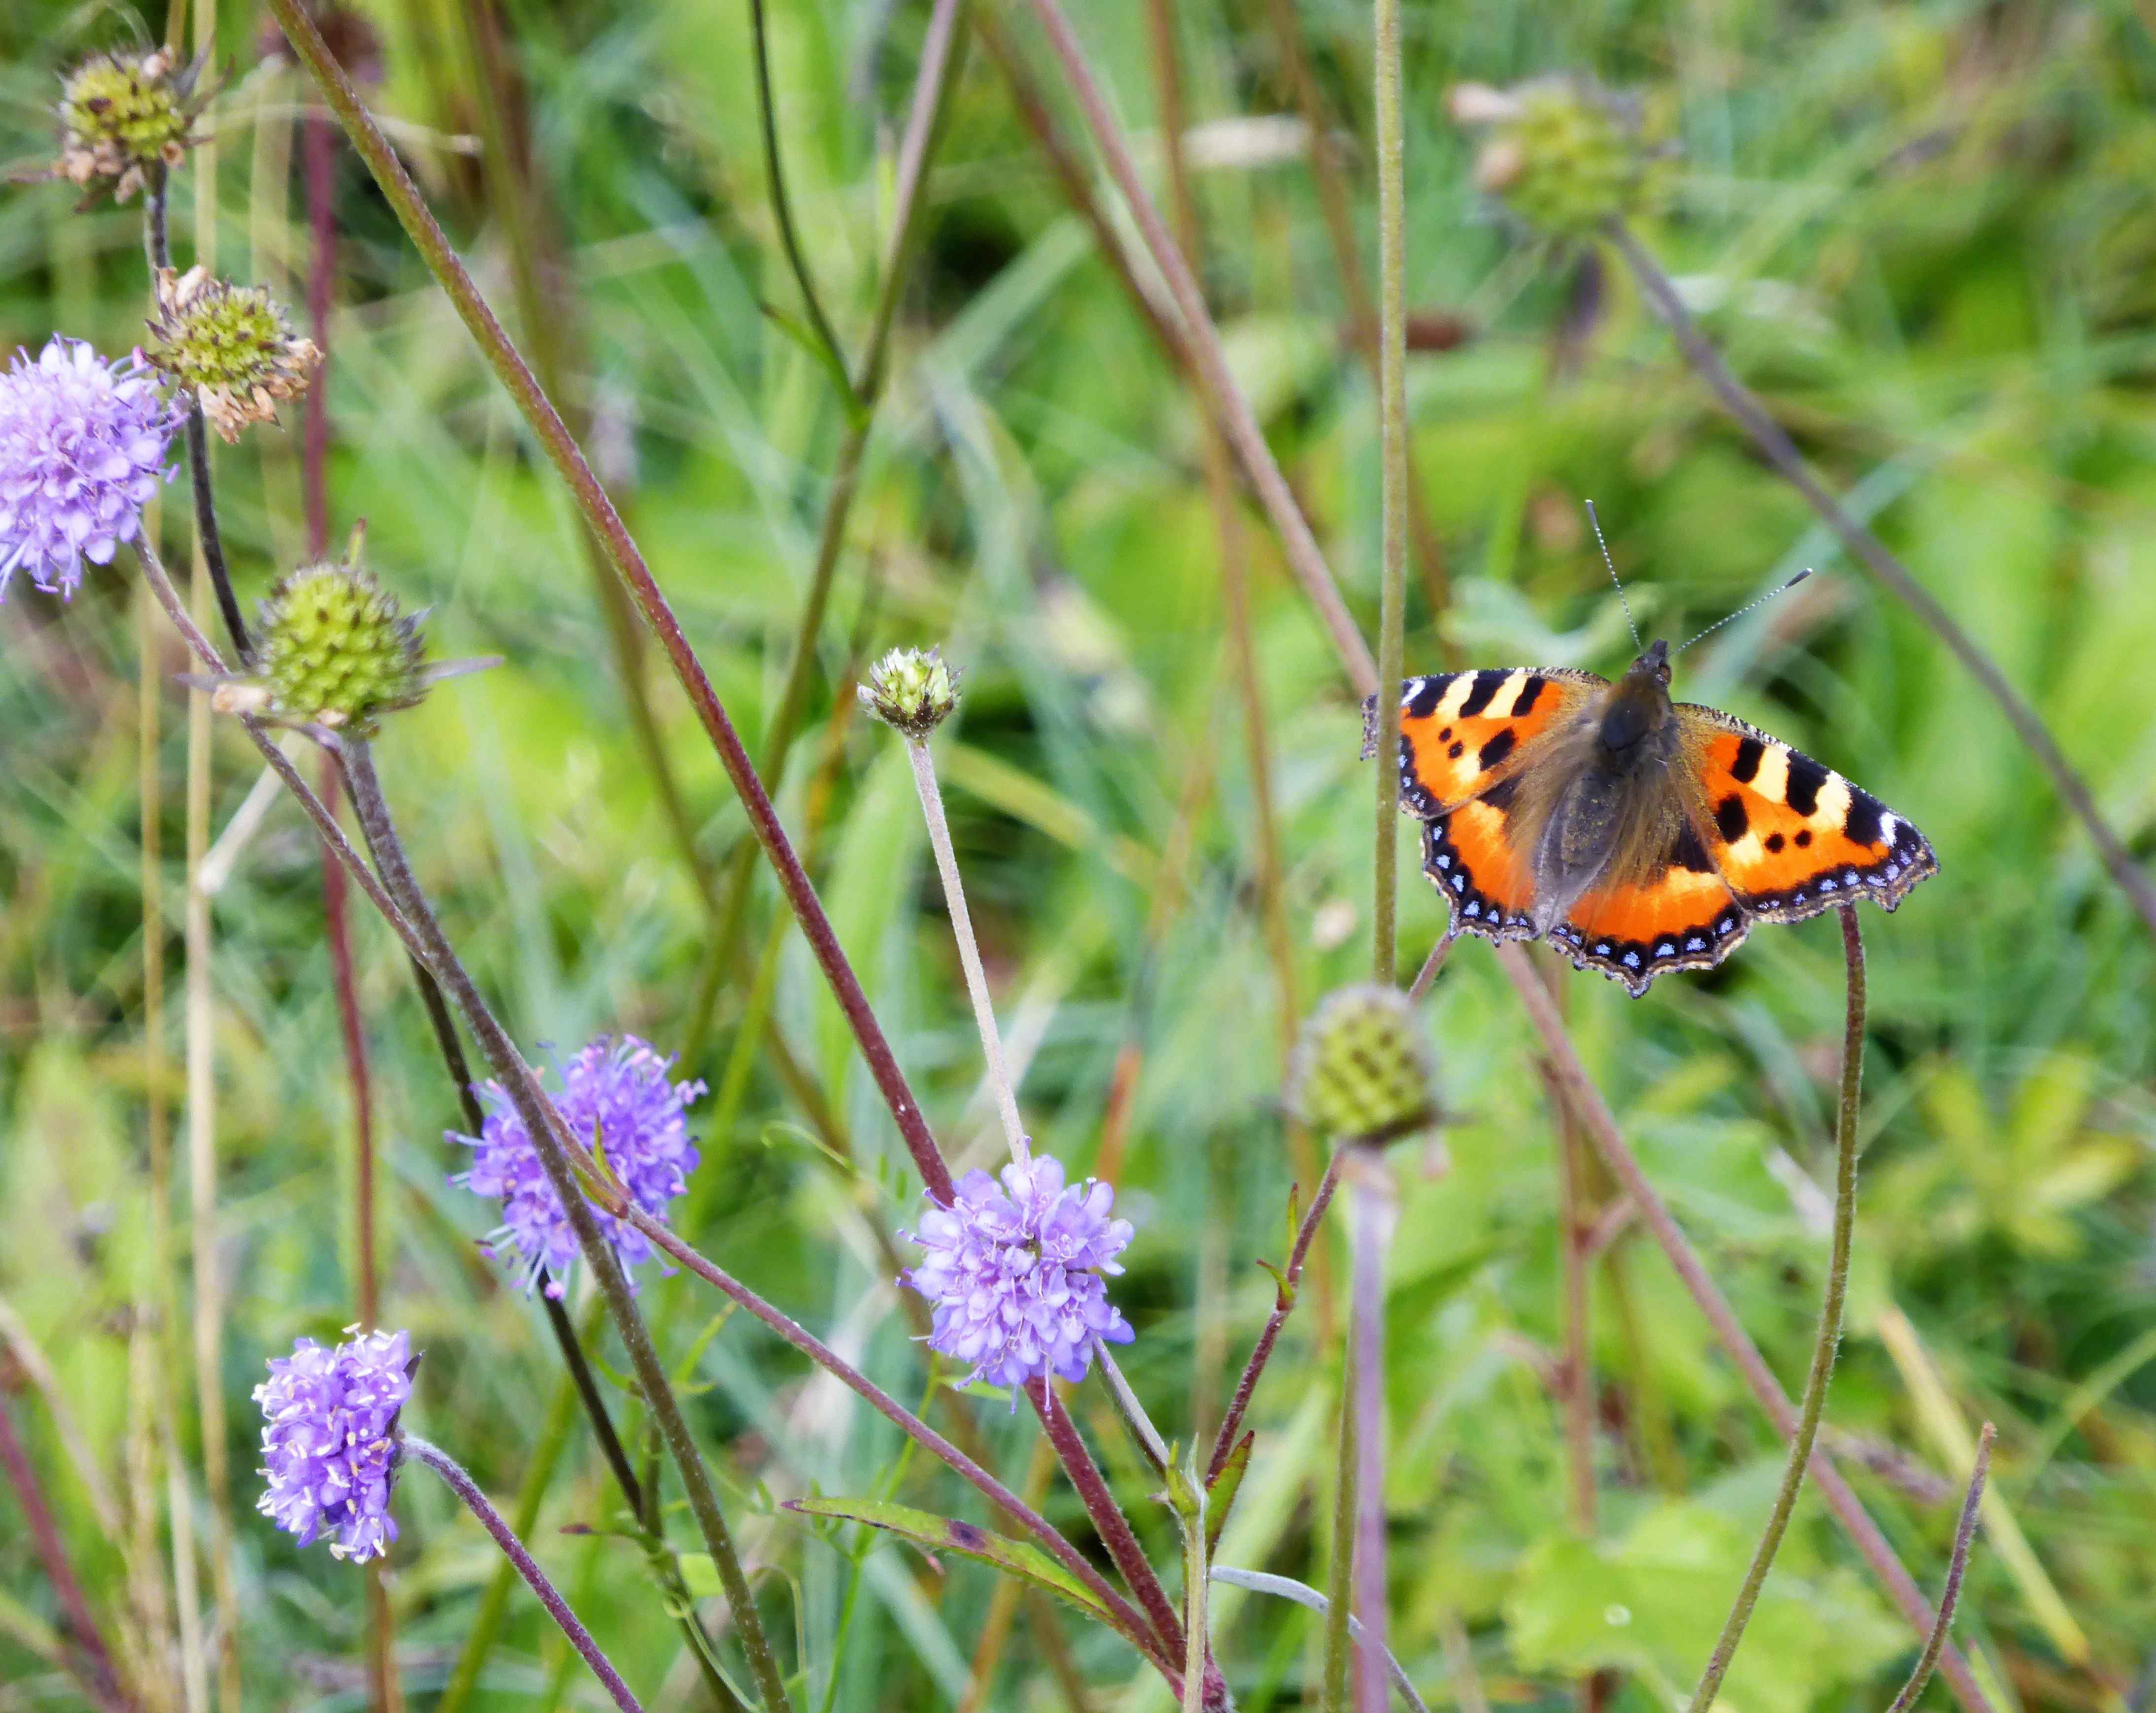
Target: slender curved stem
pixel 100 1677
pixel 1828 1341
pixel 1374 1202
pixel 592 501
pixel 969 951
pixel 1957 1566
pixel 554 1143
pixel 157 241
pixel 1782 453
pixel 1340 1584
pixel 1224 1441
pixel 1594 1112
pixel 462 1484
pixel 1393 438
pixel 782 207
pixel 1128 1619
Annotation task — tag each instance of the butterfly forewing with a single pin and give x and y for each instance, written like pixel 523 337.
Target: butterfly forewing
pixel 1791 836
pixel 1463 732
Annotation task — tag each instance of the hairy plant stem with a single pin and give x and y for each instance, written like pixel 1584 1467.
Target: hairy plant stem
pixel 1782 453
pixel 782 208
pixel 486 1627
pixel 1374 1205
pixel 462 1484
pixel 1304 557
pixel 1340 1576
pixel 1333 202
pixel 1828 1341
pixel 562 450
pixel 969 952
pixel 157 237
pixel 553 1143
pixel 1224 1441
pixel 1593 1113
pixel 1957 1566
pixel 1128 1620
pixel 1392 462
pixel 539 1113
pixel 90 1659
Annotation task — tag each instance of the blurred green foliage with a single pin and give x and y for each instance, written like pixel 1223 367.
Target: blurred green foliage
pixel 1926 232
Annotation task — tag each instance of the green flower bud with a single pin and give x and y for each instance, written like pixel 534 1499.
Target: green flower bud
pixel 1564 154
pixel 912 691
pixel 1362 1072
pixel 335 650
pixel 229 346
pixel 123 114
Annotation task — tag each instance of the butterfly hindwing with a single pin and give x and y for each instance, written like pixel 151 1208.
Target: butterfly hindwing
pixel 1791 836
pixel 1463 732
pixel 1471 857
pixel 1679 916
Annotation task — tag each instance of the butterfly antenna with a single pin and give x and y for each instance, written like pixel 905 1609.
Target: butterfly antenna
pixel 1749 605
pixel 1612 564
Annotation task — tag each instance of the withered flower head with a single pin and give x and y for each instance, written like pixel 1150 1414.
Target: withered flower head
pixel 123 115
pixel 230 346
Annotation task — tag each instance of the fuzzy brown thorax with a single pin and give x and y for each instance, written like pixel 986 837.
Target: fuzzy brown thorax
pixel 1606 808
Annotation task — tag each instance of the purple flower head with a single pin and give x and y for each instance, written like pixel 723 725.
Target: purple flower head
pixel 329 1440
pixel 1014 1273
pixel 617 1100
pixel 82 449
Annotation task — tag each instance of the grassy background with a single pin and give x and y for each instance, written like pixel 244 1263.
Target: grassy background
pixel 1925 233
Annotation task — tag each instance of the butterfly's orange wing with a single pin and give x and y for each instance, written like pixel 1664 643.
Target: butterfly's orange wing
pixel 1681 916
pixel 1464 736
pixel 1791 836
pixel 1463 732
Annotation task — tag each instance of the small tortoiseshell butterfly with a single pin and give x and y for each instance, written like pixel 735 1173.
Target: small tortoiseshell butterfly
pixel 1637 834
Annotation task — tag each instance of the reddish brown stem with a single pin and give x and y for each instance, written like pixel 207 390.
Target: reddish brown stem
pixel 628 561
pixel 1283 1305
pixel 95 1665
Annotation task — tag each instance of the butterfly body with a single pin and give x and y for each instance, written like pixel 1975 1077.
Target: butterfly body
pixel 1636 834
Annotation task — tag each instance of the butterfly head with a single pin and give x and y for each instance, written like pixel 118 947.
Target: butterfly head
pixel 1639 704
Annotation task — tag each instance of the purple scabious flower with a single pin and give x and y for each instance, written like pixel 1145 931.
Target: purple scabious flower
pixel 329 1440
pixel 617 1102
pixel 1014 1273
pixel 82 449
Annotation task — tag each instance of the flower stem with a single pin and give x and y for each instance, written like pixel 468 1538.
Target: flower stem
pixel 553 1142
pixel 1393 437
pixel 1340 1586
pixel 1375 1207
pixel 1957 1566
pixel 100 1678
pixel 969 952
pixel 1224 1441
pixel 592 501
pixel 462 1484
pixel 1593 1112
pixel 1828 1341
pixel 1782 453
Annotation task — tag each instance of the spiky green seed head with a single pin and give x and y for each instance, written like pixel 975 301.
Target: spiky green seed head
pixel 123 114
pixel 1362 1071
pixel 336 650
pixel 1565 155
pixel 229 346
pixel 912 691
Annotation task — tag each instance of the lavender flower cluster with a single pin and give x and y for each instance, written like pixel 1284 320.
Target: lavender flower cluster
pixel 615 1099
pixel 329 1441
pixel 82 450
pixel 1015 1273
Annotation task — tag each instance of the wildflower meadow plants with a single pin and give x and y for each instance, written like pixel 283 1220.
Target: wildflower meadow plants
pixel 589 1181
